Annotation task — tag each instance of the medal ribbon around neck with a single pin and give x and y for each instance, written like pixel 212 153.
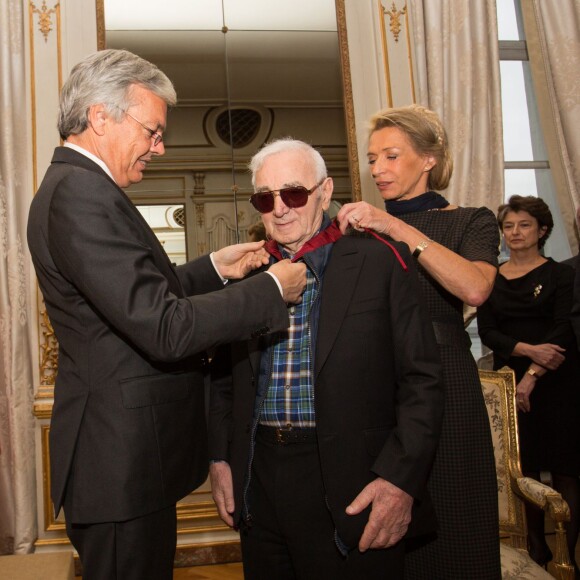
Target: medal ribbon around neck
pixel 326 236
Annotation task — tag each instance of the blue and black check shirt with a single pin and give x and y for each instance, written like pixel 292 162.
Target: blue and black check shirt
pixel 288 361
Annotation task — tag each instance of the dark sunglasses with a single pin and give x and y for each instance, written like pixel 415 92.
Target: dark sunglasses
pixel 293 197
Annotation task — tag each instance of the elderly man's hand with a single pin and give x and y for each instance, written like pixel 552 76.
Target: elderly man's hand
pixel 238 260
pixel 390 515
pixel 292 277
pixel 222 490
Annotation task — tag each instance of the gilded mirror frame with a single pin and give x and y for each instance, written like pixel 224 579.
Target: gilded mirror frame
pixel 346 87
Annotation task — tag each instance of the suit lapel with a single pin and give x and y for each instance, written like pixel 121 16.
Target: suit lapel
pixel 340 279
pixel 73 157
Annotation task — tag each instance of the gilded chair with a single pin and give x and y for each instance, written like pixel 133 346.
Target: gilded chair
pixel 514 489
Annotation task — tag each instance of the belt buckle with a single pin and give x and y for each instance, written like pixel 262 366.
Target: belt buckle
pixel 280 432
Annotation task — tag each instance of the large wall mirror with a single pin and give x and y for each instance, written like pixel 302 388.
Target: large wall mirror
pixel 245 73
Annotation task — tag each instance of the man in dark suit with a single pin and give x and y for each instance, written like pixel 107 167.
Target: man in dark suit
pixel 322 436
pixel 128 436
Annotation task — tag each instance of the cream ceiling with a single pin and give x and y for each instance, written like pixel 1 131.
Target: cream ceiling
pixel 274 51
pixel 213 14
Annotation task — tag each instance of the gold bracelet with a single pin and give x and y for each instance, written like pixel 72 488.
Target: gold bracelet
pixel 420 248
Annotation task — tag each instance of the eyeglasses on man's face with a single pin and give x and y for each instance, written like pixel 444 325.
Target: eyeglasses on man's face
pixel 157 137
pixel 292 197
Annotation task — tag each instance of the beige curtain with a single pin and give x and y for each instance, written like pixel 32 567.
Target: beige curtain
pixel 552 30
pixel 457 63
pixel 17 456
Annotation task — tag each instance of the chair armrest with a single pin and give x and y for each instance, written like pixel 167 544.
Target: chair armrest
pixel 551 502
pixel 544 497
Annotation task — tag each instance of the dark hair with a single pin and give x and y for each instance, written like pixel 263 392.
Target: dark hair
pixel 535 206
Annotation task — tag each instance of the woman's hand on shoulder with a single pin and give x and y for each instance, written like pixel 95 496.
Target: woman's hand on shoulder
pixel 471 282
pixel 361 214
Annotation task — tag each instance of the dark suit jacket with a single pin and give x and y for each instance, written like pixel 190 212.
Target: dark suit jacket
pixel 378 395
pixel 128 432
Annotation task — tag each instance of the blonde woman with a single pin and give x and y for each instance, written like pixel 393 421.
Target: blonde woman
pixel 456 251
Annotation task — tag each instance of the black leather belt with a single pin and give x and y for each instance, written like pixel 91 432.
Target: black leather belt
pixel 285 436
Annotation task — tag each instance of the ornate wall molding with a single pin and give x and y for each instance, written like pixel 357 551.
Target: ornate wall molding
pixel 44 17
pixel 397 57
pixel 101 35
pixel 42 58
pixel 48 352
pixel 395 19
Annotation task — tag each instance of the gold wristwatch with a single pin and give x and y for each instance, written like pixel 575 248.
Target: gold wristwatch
pixel 422 245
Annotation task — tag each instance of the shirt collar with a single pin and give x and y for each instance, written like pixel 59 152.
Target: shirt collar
pixel 92 157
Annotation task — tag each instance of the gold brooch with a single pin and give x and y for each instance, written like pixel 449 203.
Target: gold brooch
pixel 537 290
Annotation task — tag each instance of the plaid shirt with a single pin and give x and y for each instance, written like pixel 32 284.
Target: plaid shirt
pixel 290 397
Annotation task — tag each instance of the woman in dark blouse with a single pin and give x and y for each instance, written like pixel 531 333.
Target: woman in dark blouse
pixel 526 323
pixel 456 252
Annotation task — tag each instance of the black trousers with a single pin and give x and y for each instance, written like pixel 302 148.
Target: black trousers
pixel 291 535
pixel 138 549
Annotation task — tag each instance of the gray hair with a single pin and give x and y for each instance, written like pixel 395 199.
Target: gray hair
pixel 107 77
pixel 282 146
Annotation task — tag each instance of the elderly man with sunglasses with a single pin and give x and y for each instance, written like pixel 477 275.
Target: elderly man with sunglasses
pixel 322 436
